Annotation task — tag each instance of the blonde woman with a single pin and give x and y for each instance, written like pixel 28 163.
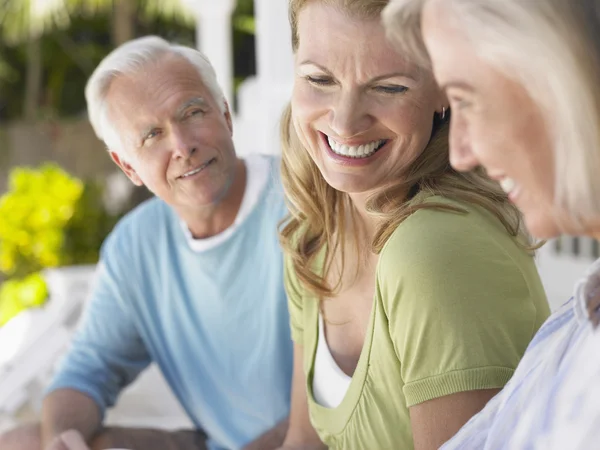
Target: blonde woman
pixel 522 78
pixel 412 293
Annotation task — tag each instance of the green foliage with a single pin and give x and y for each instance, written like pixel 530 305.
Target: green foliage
pixel 34 213
pixel 17 295
pixel 7 72
pixel 47 219
pixel 71 47
pixel 88 227
pixel 245 24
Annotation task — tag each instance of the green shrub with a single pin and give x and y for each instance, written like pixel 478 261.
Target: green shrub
pixel 48 218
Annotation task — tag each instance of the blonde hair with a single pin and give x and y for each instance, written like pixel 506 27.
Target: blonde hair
pixel 318 212
pixel 552 48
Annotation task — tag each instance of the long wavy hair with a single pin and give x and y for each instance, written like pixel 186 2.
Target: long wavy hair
pixel 319 214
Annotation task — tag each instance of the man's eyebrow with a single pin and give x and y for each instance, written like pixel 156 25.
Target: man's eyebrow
pixel 197 102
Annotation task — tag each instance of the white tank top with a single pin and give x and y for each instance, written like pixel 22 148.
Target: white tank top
pixel 330 383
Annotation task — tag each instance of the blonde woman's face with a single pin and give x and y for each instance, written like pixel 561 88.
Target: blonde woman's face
pixel 361 111
pixel 495 123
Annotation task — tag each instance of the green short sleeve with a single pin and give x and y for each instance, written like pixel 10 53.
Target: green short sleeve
pixel 294 295
pixel 458 304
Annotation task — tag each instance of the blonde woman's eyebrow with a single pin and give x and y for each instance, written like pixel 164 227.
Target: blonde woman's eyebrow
pixel 318 66
pixel 408 75
pixel 394 75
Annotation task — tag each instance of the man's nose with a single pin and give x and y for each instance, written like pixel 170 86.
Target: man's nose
pixel 182 145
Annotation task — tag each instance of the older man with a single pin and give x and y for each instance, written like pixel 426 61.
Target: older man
pixel 191 280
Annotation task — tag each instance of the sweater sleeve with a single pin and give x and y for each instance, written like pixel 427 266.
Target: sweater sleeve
pixel 459 309
pixel 107 352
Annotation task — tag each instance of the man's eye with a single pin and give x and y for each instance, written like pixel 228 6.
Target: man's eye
pixel 196 112
pixel 152 134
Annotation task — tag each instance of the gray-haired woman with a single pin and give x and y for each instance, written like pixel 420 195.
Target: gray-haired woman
pixel 523 80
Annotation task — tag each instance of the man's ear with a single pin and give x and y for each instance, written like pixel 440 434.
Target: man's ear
pixel 126 168
pixel 228 119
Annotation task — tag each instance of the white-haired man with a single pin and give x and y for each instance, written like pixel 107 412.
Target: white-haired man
pixel 191 280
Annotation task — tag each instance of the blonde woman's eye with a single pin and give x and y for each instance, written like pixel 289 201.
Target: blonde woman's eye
pixel 319 81
pixel 391 89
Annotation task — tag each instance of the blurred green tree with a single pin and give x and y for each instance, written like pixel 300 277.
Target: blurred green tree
pixel 57 43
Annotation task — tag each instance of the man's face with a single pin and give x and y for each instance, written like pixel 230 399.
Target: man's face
pixel 175 138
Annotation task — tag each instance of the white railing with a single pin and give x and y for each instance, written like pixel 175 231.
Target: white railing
pixel 32 343
pixel 562 262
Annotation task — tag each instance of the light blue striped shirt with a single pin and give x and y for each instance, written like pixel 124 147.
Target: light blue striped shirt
pixel 553 399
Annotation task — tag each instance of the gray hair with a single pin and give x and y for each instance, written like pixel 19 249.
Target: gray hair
pixel 132 57
pixel 552 47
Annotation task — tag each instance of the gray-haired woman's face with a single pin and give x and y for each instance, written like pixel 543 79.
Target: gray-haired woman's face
pixel 495 123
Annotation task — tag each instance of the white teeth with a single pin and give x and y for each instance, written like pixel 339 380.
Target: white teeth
pixel 359 151
pixel 507 185
pixel 193 172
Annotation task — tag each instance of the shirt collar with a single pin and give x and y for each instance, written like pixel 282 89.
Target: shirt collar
pixel 257 177
pixel 586 292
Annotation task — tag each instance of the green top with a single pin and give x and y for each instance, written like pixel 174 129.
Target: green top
pixel 456 303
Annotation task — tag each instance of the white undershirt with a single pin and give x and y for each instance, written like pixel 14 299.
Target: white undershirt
pixel 330 383
pixel 257 176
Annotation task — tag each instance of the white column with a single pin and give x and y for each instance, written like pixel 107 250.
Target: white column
pixel 213 38
pixel 275 68
pixel 273 41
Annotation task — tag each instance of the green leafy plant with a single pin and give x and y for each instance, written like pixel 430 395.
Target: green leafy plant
pixel 47 219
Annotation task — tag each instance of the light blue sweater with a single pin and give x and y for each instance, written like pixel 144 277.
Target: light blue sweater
pixel 215 321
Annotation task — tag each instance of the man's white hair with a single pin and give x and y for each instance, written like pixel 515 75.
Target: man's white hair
pixel 128 59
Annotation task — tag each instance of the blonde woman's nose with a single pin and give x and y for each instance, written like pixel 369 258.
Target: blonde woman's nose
pixel 349 116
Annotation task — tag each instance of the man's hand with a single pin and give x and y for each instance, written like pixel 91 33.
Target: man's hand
pixel 69 419
pixel 69 440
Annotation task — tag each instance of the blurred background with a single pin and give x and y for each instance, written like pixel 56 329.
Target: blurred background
pixel 60 194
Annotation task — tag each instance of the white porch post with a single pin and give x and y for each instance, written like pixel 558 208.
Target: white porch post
pixel 213 38
pixel 274 66
pixel 273 42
